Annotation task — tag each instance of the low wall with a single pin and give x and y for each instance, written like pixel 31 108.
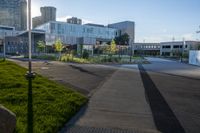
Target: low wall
pixel 194 57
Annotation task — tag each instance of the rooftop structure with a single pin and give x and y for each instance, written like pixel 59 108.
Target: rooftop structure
pixel 74 20
pixel 97 25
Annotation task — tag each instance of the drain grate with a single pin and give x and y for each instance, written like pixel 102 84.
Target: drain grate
pixel 81 129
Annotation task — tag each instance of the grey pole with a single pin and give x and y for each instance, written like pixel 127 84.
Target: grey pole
pixel 131 52
pixel 29 34
pixel 4 47
pixel 30 75
pixel 183 48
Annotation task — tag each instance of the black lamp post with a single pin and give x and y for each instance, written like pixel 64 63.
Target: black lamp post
pixel 4 47
pixel 29 76
pixel 131 52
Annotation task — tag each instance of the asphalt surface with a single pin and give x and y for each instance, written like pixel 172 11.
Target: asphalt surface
pixel 172 68
pixel 82 78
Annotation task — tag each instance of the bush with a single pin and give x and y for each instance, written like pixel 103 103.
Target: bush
pixel 185 55
pixel 71 58
pixel 85 54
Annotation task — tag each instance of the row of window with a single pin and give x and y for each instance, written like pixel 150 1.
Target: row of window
pixel 15 43
pixel 80 30
pixel 148 47
pixel 174 46
pixel 15 48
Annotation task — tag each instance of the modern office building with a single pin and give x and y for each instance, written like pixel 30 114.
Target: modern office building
pixel 175 48
pixel 73 34
pixel 6 31
pixel 18 44
pixel 17 41
pixel 146 48
pixel 13 13
pixel 74 20
pixel 125 27
pixel 48 13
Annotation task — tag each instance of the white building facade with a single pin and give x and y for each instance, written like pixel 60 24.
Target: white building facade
pixel 176 48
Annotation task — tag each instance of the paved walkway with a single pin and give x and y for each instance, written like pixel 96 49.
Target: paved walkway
pixel 172 68
pixel 119 104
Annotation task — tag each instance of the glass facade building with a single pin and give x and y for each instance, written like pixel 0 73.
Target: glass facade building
pixel 72 34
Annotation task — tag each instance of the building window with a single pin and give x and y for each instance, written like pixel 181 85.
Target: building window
pixel 166 46
pixel 53 28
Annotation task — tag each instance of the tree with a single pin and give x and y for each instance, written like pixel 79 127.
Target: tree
pixel 113 47
pixel 122 39
pixel 40 46
pixel 59 47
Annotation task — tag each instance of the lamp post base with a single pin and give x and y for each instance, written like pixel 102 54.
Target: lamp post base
pixel 30 75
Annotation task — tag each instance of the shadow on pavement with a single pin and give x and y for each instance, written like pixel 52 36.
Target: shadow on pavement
pixel 83 70
pixel 164 118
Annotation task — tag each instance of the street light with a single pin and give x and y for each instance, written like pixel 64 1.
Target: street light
pixel 182 50
pixel 4 47
pixel 29 76
pixel 131 52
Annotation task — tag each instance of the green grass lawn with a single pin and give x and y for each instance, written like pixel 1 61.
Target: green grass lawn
pixel 53 104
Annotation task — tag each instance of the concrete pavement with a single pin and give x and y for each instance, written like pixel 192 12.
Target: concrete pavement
pixel 119 104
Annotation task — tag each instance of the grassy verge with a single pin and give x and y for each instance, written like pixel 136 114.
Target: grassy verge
pixel 53 104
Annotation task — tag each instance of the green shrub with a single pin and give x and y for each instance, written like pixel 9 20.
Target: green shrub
pixel 43 57
pixel 85 54
pixel 71 58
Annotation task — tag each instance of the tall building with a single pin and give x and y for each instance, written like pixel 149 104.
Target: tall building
pixel 48 13
pixel 126 27
pixel 13 13
pixel 74 20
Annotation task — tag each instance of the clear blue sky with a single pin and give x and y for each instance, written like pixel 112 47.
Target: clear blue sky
pixel 156 20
